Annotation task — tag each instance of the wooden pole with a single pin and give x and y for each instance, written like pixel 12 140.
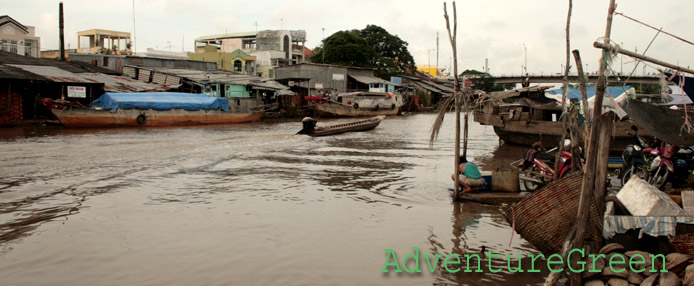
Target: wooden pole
pixel 565 94
pixel 456 93
pixel 567 68
pixel 588 188
pixel 584 93
pixel 609 47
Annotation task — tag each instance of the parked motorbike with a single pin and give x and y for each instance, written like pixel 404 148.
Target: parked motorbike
pixel 538 166
pixel 671 165
pixel 634 160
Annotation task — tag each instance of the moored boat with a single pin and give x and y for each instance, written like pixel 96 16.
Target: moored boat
pixel 525 116
pixel 360 104
pixel 154 109
pixel 361 125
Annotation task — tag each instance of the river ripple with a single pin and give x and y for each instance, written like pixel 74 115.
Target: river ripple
pixel 238 205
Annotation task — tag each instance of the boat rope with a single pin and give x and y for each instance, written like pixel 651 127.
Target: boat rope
pixel 687 125
pixel 654 28
pixel 513 225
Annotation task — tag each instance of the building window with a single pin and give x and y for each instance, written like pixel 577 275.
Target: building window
pixel 238 66
pixel 27 50
pixel 4 45
pixel 271 73
pixel 13 47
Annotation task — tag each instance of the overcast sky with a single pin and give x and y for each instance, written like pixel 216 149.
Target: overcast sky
pixel 498 30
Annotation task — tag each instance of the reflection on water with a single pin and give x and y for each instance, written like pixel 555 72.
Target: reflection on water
pixel 245 204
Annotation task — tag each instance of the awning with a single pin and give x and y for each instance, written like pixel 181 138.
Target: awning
pixel 365 79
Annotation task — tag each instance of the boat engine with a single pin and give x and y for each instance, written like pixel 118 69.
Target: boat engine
pixel 309 125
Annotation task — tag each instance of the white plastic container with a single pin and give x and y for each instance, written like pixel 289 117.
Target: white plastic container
pixel 643 199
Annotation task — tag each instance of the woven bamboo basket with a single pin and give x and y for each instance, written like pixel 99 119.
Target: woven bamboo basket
pixel 684 243
pixel 545 217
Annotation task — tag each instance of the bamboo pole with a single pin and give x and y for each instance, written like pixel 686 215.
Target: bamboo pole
pixel 456 95
pixel 609 47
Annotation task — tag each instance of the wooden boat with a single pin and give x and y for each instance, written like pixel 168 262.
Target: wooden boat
pixel 532 117
pixel 360 104
pixel 361 125
pixel 664 123
pixel 493 198
pixel 153 110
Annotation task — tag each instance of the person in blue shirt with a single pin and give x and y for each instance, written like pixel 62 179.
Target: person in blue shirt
pixel 469 175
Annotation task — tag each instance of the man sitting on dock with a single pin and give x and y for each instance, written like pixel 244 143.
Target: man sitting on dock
pixel 469 175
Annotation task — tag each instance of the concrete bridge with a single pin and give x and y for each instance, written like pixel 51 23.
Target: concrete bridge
pixel 592 78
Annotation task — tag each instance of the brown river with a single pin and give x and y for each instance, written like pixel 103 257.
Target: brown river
pixel 249 204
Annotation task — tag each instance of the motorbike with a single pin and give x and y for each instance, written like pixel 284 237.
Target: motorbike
pixel 671 165
pixel 538 168
pixel 634 160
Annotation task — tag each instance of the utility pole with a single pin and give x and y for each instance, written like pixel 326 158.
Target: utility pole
pixel 61 26
pixel 437 54
pixel 323 50
pixel 134 37
pixel 525 67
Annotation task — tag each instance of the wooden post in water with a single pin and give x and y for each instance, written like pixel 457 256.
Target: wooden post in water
pixel 456 96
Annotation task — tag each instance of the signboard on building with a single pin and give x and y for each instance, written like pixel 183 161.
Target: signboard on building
pixel 396 79
pixel 298 35
pixel 319 85
pixel 77 91
pixel 338 76
pixel 291 83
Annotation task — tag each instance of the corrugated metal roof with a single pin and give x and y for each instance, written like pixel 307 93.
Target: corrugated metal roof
pixel 366 79
pixel 224 36
pixel 199 77
pixel 125 84
pixel 110 82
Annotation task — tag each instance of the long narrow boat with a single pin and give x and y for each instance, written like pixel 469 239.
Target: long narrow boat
pixel 154 109
pixel 361 125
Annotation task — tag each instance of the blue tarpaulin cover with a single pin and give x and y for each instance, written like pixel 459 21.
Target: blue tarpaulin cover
pixel 590 91
pixel 160 101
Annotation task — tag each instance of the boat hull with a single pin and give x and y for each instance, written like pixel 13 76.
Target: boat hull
pixel 527 132
pixel 89 118
pixel 666 124
pixel 334 109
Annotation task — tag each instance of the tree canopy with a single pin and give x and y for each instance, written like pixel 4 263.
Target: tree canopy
pixel 371 47
pixel 484 81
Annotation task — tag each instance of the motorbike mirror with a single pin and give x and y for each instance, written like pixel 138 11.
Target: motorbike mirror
pixel 635 128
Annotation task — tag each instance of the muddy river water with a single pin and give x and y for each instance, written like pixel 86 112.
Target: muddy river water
pixel 248 204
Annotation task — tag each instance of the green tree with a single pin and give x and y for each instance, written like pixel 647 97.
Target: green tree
pixel 371 47
pixel 344 48
pixel 484 81
pixel 391 54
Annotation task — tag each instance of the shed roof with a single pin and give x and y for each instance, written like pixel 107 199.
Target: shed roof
pixel 7 19
pixel 227 36
pixel 366 79
pixel 200 77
